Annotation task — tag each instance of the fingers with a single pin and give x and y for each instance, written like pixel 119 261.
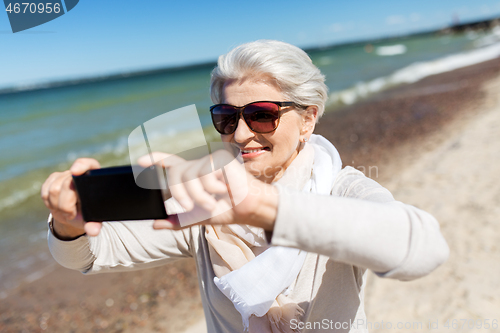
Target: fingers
pixel 221 158
pixel 68 199
pixel 194 182
pixel 55 189
pixel 44 192
pixel 221 214
pixel 57 181
pixel 59 195
pixel 195 216
pixel 163 224
pixel 195 187
pixel 92 228
pixel 238 181
pixel 177 188
pixel 167 160
pixel 82 165
pixel 150 159
pixel 199 194
pixel 214 183
pixel 171 160
pixel 172 223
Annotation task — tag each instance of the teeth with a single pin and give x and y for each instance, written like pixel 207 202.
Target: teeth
pixel 247 151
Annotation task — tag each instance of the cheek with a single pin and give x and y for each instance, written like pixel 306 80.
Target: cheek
pixel 287 138
pixel 283 150
pixel 226 138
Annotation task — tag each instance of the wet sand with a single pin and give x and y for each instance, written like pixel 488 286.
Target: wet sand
pixel 398 134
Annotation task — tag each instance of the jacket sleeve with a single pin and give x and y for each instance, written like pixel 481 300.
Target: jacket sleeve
pixel 361 224
pixel 120 246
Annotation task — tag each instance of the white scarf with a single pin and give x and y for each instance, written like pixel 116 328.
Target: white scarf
pixel 255 277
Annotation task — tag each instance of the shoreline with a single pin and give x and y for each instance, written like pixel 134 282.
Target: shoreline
pixel 387 130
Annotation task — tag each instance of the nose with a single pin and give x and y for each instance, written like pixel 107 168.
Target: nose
pixel 243 133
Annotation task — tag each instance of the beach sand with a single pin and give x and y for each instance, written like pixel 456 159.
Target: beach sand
pixel 446 165
pixel 458 181
pixel 433 143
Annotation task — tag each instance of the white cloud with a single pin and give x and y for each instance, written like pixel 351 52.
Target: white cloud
pixel 415 17
pixel 395 19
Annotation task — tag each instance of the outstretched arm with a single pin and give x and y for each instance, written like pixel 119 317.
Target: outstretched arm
pixel 92 246
pixel 363 225
pixel 121 246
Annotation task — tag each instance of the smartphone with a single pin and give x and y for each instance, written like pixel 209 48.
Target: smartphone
pixel 112 194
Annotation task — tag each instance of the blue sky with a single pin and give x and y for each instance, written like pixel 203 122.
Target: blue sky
pixel 110 36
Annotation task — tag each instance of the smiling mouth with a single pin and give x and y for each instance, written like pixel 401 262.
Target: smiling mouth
pixel 253 150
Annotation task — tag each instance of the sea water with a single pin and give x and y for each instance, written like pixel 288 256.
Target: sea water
pixel 44 129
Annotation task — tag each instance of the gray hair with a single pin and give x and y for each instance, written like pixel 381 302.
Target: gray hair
pixel 299 80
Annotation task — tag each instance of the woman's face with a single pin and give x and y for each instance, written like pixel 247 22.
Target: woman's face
pixel 266 156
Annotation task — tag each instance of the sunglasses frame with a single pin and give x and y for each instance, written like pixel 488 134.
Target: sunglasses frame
pixel 239 114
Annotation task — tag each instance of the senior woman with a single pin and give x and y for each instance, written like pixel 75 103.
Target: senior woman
pixel 293 254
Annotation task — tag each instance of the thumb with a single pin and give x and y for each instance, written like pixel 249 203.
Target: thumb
pixel 92 228
pixel 82 165
pixel 150 159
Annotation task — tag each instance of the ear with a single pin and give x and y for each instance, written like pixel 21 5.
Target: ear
pixel 309 117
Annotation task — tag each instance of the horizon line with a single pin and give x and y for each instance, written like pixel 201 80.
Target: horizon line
pixel 57 83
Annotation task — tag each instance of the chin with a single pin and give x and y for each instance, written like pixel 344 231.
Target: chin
pixel 256 169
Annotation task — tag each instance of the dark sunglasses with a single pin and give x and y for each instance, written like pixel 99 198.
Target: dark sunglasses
pixel 261 117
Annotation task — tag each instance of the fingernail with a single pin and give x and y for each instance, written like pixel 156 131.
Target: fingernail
pixel 91 229
pixel 187 204
pixel 163 224
pixel 75 168
pixel 208 206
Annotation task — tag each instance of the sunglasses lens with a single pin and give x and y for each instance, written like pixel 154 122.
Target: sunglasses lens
pixel 224 119
pixel 262 117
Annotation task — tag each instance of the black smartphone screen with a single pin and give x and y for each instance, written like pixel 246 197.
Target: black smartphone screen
pixel 111 194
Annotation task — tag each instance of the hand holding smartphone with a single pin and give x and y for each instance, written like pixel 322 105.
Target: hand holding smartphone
pixel 112 194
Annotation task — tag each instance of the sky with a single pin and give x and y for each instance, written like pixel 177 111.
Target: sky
pixel 102 37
